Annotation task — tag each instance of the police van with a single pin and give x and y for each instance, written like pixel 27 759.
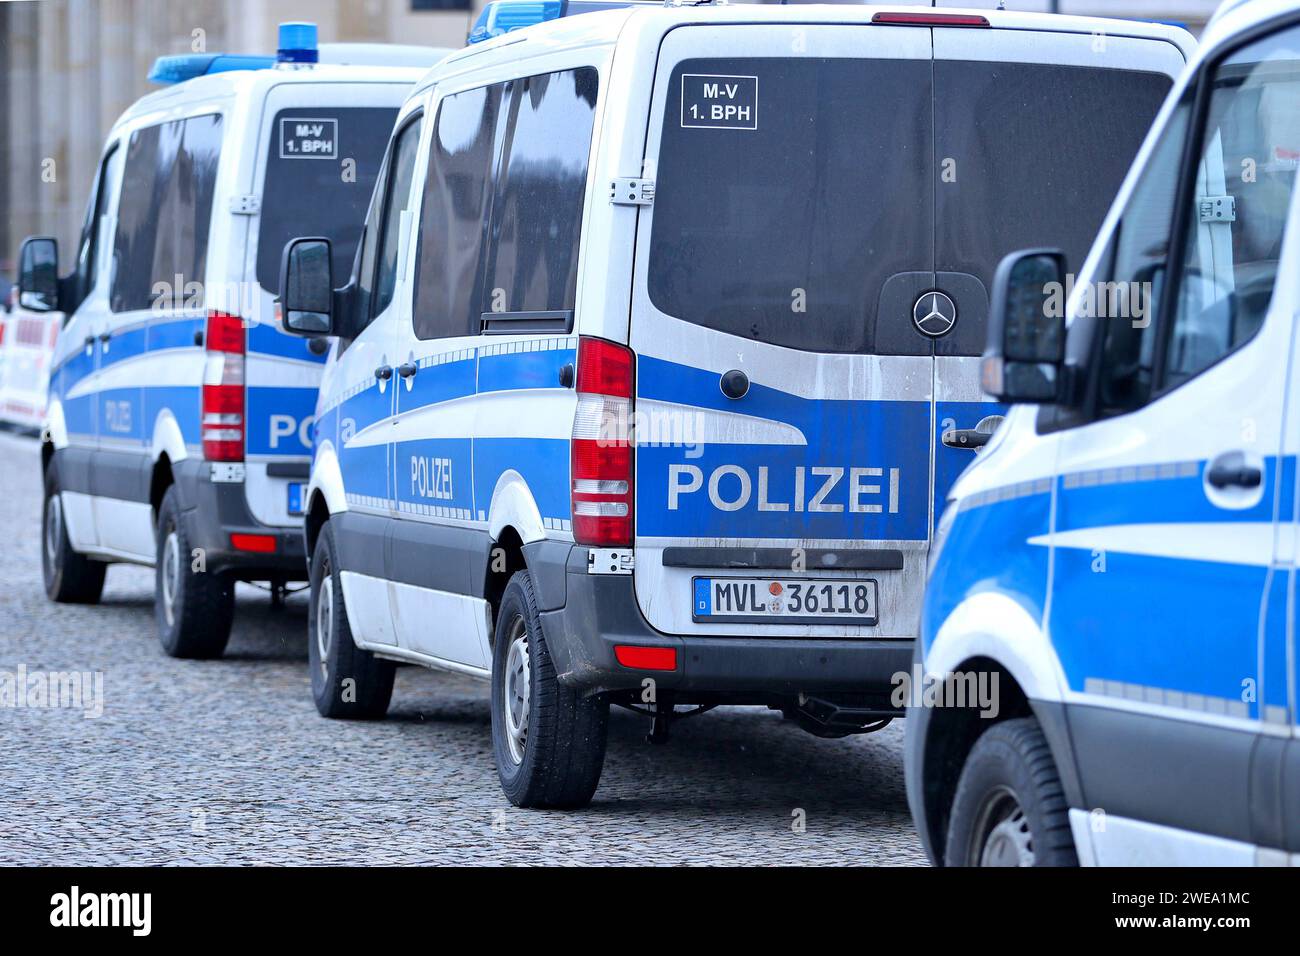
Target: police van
pixel 179 415
pixel 1119 564
pixel 664 330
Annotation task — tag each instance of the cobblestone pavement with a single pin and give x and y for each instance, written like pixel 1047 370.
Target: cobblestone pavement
pixel 227 761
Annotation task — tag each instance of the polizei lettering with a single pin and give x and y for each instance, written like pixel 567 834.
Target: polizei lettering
pixel 819 489
pixel 431 477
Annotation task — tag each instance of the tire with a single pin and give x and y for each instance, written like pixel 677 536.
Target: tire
pixel 70 577
pixel 346 681
pixel 1010 808
pixel 193 609
pixel 549 742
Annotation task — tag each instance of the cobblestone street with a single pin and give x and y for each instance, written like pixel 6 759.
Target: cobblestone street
pixel 227 761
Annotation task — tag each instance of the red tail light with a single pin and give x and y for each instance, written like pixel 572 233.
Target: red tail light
pixel 257 543
pixel 931 19
pixel 223 388
pixel 602 445
pixel 646 658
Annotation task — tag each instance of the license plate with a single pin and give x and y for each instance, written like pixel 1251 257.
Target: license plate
pixel 295 497
pixel 797 600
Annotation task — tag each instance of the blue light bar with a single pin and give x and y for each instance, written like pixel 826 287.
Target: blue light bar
pixel 504 16
pixel 177 69
pixel 297 43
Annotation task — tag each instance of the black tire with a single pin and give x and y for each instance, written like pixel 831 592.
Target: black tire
pixel 346 681
pixel 1010 808
pixel 70 577
pixel 563 740
pixel 193 609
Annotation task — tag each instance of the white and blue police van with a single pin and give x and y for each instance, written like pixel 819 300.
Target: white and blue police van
pixel 664 330
pixel 1115 575
pixel 179 416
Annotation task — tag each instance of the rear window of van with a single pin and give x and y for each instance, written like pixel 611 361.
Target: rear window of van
pixel 783 224
pixel 321 167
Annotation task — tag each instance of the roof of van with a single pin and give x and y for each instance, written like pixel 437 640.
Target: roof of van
pixel 255 82
pixel 1235 16
pixel 604 28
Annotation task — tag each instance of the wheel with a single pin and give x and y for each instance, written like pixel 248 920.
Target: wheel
pixel 70 577
pixel 549 742
pixel 194 609
pixel 346 681
pixel 1010 809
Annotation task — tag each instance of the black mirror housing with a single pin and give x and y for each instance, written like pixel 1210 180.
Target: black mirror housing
pixel 1025 356
pixel 38 274
pixel 307 287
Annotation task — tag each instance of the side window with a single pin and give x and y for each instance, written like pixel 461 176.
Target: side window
pixel 1141 249
pixel 101 201
pixel 537 215
pixel 164 212
pixel 1249 150
pixel 457 201
pixel 397 199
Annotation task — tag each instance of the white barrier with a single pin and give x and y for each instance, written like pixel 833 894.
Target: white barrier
pixel 26 350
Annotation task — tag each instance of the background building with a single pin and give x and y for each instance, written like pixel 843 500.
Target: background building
pixel 68 68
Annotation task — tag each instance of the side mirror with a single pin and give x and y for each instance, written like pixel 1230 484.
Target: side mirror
pixel 1026 347
pixel 38 274
pixel 307 287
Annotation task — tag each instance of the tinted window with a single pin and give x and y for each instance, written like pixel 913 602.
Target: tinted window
pixel 785 232
pixel 165 210
pixel 453 219
pixel 537 215
pixel 1029 155
pixel 397 199
pixel 321 167
pixel 101 202
pixel 1250 149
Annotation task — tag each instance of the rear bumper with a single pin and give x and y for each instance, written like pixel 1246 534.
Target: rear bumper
pixel 599 612
pixel 214 511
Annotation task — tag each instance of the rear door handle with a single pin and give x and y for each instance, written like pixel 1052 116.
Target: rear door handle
pixel 1232 470
pixel 407 369
pixel 90 340
pixel 384 373
pixel 105 336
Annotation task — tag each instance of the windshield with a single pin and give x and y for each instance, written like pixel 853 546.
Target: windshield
pixel 320 170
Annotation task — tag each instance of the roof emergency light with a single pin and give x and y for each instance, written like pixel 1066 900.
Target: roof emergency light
pixel 297 45
pixel 504 16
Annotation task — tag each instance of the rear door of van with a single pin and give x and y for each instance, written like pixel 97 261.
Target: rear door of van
pixel 321 149
pixel 811 295
pixel 791 230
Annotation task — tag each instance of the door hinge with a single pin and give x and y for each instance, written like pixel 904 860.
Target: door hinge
pixel 632 192
pixel 245 205
pixel 609 561
pixel 1218 208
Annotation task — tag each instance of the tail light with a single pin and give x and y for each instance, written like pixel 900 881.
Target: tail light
pixel 223 388
pixel 602 445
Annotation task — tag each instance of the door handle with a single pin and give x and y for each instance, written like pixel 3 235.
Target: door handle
pixel 972 438
pixel 407 369
pixel 105 336
pixel 965 438
pixel 384 373
pixel 1232 470
pixel 90 340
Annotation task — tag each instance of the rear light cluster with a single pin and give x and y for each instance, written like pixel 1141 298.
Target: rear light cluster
pixel 602 445
pixel 223 388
